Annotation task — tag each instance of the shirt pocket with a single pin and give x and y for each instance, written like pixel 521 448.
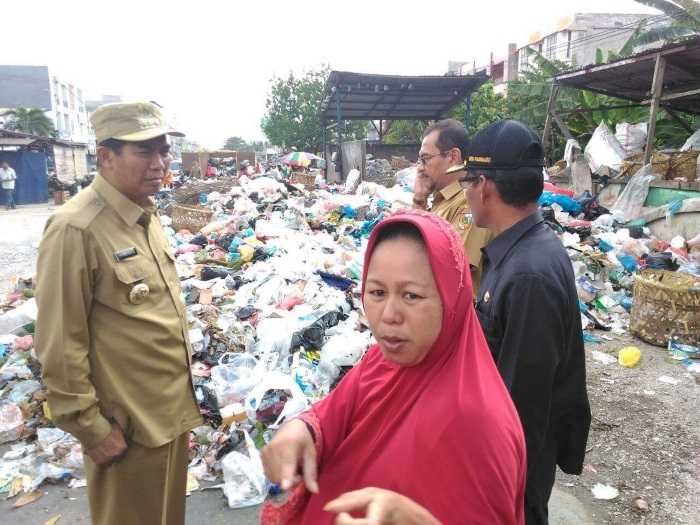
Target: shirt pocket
pixel 129 276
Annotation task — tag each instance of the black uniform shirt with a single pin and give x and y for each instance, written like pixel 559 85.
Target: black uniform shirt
pixel 528 309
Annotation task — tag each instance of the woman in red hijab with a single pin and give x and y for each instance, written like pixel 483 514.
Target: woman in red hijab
pixel 425 414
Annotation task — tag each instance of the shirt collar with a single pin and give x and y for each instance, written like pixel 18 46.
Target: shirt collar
pixel 449 191
pixel 497 249
pixel 128 210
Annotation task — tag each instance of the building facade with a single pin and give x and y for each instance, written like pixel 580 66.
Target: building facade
pixel 38 87
pixel 573 40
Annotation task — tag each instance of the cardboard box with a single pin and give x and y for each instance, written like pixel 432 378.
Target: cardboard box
pixel 60 197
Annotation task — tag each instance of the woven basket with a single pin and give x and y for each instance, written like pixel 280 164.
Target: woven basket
pixel 192 218
pixel 666 307
pixel 668 164
pixel 400 163
pixel 308 181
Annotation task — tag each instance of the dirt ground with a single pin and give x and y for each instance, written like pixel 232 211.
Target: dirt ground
pixel 643 441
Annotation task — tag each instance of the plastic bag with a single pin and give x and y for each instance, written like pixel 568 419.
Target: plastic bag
pixel 632 137
pixel 23 390
pixel 234 377
pixel 407 176
pixel 632 198
pixel 693 142
pixel 352 181
pixel 11 423
pixel 604 149
pixel 244 479
pixel 275 380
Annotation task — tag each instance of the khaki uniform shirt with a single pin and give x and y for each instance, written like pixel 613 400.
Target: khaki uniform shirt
pixel 451 204
pixel 104 357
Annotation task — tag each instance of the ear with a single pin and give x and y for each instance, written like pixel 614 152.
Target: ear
pixel 456 156
pixel 488 188
pixel 104 156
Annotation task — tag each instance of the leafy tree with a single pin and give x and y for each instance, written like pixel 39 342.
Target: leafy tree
pixel 291 113
pixel 487 107
pixel 405 132
pixel 235 144
pixel 32 121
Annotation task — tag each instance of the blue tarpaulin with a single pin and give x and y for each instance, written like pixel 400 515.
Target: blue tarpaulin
pixel 31 186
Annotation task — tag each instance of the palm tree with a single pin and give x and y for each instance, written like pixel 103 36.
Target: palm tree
pixel 33 121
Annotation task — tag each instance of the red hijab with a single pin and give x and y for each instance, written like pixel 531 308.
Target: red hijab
pixel 444 432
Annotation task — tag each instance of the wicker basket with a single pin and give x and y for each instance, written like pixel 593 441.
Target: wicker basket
pixel 308 181
pixel 666 307
pixel 192 218
pixel 668 164
pixel 400 163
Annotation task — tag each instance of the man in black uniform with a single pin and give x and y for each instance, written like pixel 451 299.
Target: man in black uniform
pixel 528 307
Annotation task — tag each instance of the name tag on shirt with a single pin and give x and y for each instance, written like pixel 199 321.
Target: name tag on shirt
pixel 125 254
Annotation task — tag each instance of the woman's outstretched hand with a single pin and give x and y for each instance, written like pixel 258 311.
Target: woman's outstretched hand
pixel 291 450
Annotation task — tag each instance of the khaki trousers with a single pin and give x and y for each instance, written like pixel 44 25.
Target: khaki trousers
pixel 145 487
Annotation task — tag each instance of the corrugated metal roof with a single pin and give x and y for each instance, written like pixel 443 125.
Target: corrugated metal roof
pixel 14 141
pixel 394 97
pixel 631 78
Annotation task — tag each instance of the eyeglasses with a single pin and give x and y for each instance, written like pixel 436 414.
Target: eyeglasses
pixel 424 160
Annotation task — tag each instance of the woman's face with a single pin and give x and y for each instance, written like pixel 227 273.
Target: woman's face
pixel 402 301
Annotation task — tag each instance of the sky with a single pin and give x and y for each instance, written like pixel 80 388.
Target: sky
pixel 210 63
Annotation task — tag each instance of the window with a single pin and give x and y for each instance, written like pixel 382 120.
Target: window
pixel 66 119
pixel 550 46
pixel 65 96
pixel 524 61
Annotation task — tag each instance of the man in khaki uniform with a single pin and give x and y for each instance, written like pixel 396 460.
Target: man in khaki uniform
pixel 112 332
pixel 445 146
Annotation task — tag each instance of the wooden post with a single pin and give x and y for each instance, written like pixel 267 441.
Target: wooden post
pixel 655 98
pixel 340 131
pixel 550 109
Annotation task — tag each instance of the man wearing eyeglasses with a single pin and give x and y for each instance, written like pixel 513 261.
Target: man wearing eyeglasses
pixel 527 306
pixel 444 146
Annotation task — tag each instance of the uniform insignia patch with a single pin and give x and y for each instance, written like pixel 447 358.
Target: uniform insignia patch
pixel 465 220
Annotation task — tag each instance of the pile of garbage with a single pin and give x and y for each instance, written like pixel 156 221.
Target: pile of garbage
pixel 271 283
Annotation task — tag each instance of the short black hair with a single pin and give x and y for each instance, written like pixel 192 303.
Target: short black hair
pixel 116 145
pixel 399 230
pixel 451 134
pixel 517 187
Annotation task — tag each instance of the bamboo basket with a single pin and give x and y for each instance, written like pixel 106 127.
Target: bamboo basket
pixel 666 307
pixel 192 218
pixel 400 163
pixel 668 164
pixel 308 181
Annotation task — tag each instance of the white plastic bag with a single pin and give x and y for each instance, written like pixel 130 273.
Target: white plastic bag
pixel 632 198
pixel 234 377
pixel 352 181
pixel 604 149
pixel 275 380
pixel 406 176
pixel 632 137
pixel 11 423
pixel 244 478
pixel 693 142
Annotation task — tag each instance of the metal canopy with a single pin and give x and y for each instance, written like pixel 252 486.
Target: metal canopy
pixel 357 96
pixel 632 78
pixel 14 141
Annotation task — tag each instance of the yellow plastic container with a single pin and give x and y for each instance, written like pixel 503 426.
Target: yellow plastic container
pixel 629 356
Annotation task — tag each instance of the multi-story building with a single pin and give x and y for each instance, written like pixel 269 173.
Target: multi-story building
pixel 574 40
pixel 38 87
